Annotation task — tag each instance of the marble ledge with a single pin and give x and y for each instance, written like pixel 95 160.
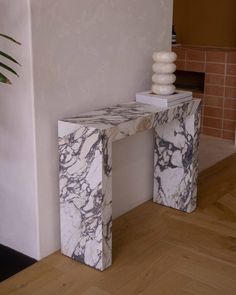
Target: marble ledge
pixel 124 116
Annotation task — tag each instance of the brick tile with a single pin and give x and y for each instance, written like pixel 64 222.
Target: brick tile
pixel 202 120
pixel 231 57
pixel 180 65
pixel 214 90
pixel 215 68
pixel 214 101
pixel 228 135
pixel 229 125
pixel 213 112
pixel 214 79
pixel 195 66
pixel 230 103
pixel 230 92
pixel 211 131
pixel 216 56
pixel 230 81
pixel 195 54
pixel 180 52
pixel 229 114
pixel 212 122
pixel 231 69
pixel 198 95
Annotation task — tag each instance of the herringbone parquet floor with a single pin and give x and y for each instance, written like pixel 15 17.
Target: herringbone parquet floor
pixel 156 250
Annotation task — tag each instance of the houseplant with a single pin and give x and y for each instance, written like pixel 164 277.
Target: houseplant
pixel 3 77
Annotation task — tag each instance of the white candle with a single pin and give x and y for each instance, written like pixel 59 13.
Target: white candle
pixel 163 56
pixel 164 68
pixel 163 89
pixel 163 79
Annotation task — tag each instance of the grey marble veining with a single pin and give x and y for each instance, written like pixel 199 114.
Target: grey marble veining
pixel 85 151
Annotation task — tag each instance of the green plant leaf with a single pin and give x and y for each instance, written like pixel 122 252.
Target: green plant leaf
pixel 9 57
pixel 10 38
pixel 4 79
pixel 8 68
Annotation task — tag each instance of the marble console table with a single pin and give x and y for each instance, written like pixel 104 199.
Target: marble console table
pixel 85 151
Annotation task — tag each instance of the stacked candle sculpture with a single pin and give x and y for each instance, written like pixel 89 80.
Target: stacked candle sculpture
pixel 163 69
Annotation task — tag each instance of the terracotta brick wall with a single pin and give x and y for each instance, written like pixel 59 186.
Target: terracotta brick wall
pixel 219 97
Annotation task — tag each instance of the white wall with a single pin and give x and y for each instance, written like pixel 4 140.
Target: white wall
pixel 18 202
pixel 89 54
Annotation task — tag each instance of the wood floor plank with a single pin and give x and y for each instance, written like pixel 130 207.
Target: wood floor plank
pixel 197 288
pixel 170 283
pixel 216 182
pixel 224 210
pixel 211 222
pixel 201 240
pixel 148 276
pixel 208 272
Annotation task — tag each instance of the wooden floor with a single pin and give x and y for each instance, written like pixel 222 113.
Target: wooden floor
pixel 156 250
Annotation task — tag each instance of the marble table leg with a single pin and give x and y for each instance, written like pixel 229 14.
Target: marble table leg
pixel 107 204
pixel 85 197
pixel 176 162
